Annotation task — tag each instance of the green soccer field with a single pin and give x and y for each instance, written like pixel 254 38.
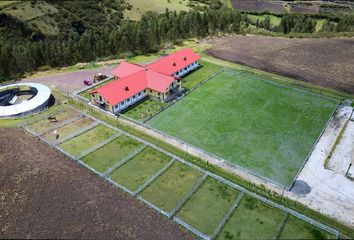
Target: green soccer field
pixel 261 126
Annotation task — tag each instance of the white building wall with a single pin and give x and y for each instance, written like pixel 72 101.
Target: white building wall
pixel 130 101
pixel 187 69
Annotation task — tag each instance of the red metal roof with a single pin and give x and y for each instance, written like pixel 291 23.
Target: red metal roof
pixel 174 62
pixel 134 78
pixel 157 81
pixel 119 90
pixel 125 69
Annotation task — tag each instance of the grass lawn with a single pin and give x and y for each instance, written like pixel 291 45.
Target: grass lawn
pixel 144 110
pixel 167 190
pixel 68 129
pixel 253 219
pixel 208 206
pixel 60 116
pixel 87 140
pixel 106 156
pixel 140 168
pixel 207 70
pixel 139 7
pixel 298 229
pixel 264 127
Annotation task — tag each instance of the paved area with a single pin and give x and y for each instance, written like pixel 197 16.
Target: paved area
pixel 69 82
pixel 344 151
pixel 331 192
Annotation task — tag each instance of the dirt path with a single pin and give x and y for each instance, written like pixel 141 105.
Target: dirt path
pixel 69 82
pixel 43 194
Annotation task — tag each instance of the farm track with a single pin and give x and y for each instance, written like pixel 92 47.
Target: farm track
pixel 324 62
pixel 53 197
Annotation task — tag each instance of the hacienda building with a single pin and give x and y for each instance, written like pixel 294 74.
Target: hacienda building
pixel 133 82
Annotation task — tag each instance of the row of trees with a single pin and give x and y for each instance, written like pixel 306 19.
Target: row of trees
pixel 137 37
pixel 142 36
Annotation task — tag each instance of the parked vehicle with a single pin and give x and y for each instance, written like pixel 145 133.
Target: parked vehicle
pixel 87 82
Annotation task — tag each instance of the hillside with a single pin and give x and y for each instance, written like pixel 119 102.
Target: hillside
pixel 53 18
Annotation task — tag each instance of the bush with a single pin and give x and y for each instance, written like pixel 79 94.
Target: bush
pixel 44 68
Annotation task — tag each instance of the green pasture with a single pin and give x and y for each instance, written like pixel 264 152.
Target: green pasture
pixel 208 206
pixel 145 109
pixel 253 219
pixel 298 229
pixel 139 7
pixel 66 130
pixel 87 140
pixel 61 116
pixel 140 168
pixel 106 156
pixel 207 69
pixel 264 127
pixel 167 190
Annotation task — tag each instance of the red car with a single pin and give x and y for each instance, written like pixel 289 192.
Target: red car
pixel 87 82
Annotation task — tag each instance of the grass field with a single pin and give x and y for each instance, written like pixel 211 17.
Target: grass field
pixel 87 140
pixel 140 168
pixel 207 69
pixel 145 109
pixel 106 156
pixel 298 229
pixel 171 186
pixel 68 129
pixel 139 7
pixel 253 219
pixel 208 206
pixel 266 128
pixel 44 124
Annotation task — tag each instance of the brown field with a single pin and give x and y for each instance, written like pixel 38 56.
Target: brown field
pixel 44 194
pixel 323 61
pixel 258 6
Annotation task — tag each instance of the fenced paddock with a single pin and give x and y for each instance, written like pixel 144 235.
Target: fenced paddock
pixel 233 114
pixel 202 202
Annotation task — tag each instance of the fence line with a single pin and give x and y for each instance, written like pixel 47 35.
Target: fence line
pixel 62 124
pixel 185 94
pixel 152 206
pixel 98 146
pixel 76 133
pixel 276 205
pixel 284 85
pixel 124 160
pixel 281 228
pixel 94 85
pixel 181 203
pixel 312 148
pixel 191 229
pixel 118 185
pixel 219 178
pixel 200 152
pixel 301 216
pixel 154 177
pixel 227 216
